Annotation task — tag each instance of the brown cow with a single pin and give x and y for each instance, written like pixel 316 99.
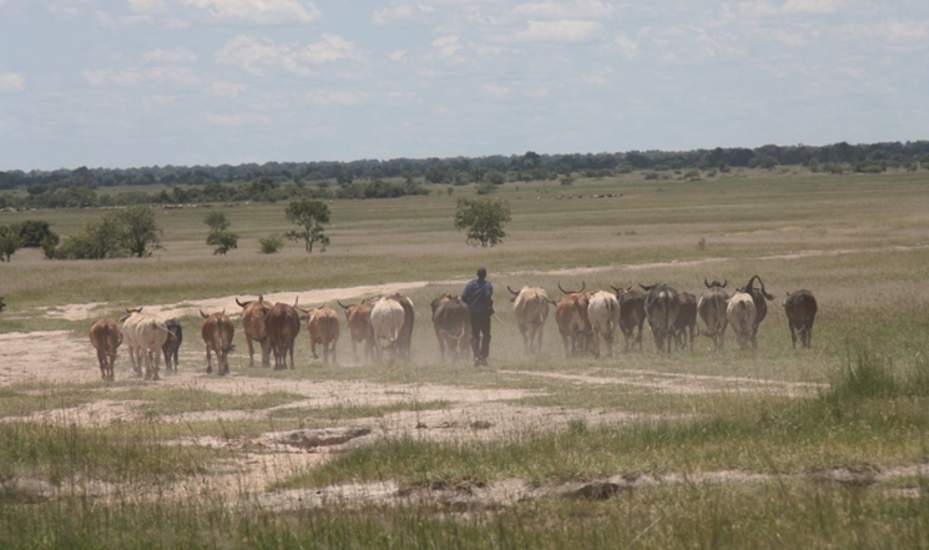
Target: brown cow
pixel 323 325
pixel 282 324
pixel 712 309
pixel 106 337
pixel 217 333
pixel 631 315
pixel 573 323
pixel 253 323
pixel 661 308
pixel 530 306
pixel 404 342
pixel 686 320
pixel 800 307
pixel 452 324
pixel 358 319
pixel 172 345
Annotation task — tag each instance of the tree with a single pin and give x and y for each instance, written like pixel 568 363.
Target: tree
pixel 270 244
pixel 224 241
pixel 10 242
pixel 141 231
pixel 483 219
pixel 34 232
pixel 217 221
pixel 311 216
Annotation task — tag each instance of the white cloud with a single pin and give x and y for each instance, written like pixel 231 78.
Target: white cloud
pixel 177 56
pixel 599 77
pixel 331 48
pixel 898 35
pixel 261 12
pixel 564 10
pixel 255 55
pixel 399 56
pixel 812 7
pixel 12 82
pixel 226 89
pixel 392 14
pixel 330 97
pixel 495 90
pixel 446 46
pixel 236 120
pixel 147 6
pixel 151 102
pixel 757 9
pixel 557 31
pixel 628 47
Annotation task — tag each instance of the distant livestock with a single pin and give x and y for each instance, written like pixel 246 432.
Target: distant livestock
pixel 800 307
pixel 661 309
pixel 530 306
pixel 759 295
pixel 603 314
pixel 741 313
pixel 452 324
pixel 573 322
pixel 712 310
pixel 253 323
pixel 322 323
pixel 631 315
pixel 217 333
pixel 106 337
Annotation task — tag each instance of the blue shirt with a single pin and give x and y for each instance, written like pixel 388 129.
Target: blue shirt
pixel 477 294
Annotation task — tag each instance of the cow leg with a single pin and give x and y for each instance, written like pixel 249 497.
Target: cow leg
pixel 209 361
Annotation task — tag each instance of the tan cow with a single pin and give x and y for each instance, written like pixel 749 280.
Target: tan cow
pixel 387 321
pixel 530 306
pixel 405 340
pixel 712 310
pixel 740 311
pixel 603 313
pixel 282 324
pixel 452 324
pixel 573 323
pixel 358 319
pixel 106 337
pixel 253 323
pixel 323 325
pixel 217 333
pixel 145 334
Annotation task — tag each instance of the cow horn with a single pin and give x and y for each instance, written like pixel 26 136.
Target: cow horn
pixel 706 283
pixel 726 282
pixel 341 304
pixel 224 311
pixel 204 315
pixel 614 288
pixel 296 301
pixel 513 292
pixel 240 303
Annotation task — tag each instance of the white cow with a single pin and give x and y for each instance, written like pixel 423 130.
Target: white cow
pixel 145 334
pixel 530 306
pixel 603 312
pixel 740 312
pixel 387 319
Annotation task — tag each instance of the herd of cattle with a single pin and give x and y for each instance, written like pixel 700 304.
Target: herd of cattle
pixel 383 326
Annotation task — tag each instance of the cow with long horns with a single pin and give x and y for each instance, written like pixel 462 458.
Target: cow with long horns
pixel 573 322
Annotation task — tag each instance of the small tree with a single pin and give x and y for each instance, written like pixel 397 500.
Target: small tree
pixel 483 219
pixel 217 221
pixel 141 231
pixel 35 232
pixel 219 235
pixel 311 216
pixel 10 242
pixel 270 244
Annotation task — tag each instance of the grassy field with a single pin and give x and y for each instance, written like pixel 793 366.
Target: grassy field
pixel 774 448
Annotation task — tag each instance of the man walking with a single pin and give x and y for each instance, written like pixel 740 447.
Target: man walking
pixel 478 294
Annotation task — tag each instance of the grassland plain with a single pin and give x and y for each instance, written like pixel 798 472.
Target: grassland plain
pixel 774 448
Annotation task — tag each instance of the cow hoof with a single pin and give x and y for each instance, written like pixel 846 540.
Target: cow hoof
pixel 209 370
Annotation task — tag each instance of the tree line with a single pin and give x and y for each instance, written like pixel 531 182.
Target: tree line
pixel 282 181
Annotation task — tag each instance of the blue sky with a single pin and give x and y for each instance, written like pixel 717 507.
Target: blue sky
pixel 128 83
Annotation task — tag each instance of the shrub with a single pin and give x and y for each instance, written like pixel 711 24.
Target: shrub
pixel 270 244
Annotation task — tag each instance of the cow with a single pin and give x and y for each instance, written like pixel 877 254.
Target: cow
pixel 452 324
pixel 603 313
pixel 761 307
pixel 387 321
pixel 712 310
pixel 145 334
pixel 172 345
pixel 741 313
pixel 106 337
pixel 800 307
pixel 661 309
pixel 358 320
pixel 282 325
pixel 530 306
pixel 406 333
pixel 2 303
pixel 631 315
pixel 573 322
pixel 217 333
pixel 686 320
pixel 253 323
pixel 322 323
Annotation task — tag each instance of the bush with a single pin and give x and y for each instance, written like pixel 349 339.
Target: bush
pixel 270 244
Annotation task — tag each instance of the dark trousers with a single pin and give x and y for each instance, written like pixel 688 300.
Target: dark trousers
pixel 480 334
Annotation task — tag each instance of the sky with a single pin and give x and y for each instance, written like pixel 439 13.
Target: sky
pixel 135 83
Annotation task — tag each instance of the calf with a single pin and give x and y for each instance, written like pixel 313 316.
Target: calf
pixel 106 337
pixel 800 307
pixel 217 333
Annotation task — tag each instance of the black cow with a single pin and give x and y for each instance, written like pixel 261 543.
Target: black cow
pixel 172 345
pixel 686 320
pixel 761 307
pixel 661 308
pixel 800 307
pixel 631 315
